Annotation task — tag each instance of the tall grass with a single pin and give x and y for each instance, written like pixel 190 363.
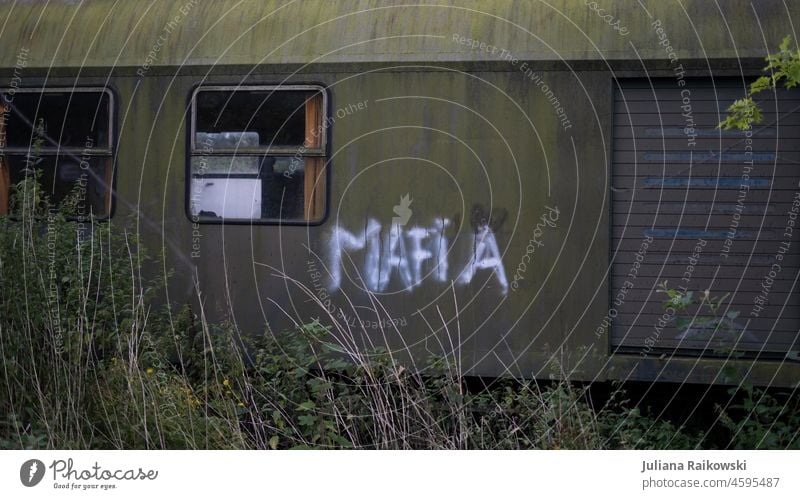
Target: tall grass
pixel 90 362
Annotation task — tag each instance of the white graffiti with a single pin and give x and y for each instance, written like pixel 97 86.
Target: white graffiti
pixel 409 255
pixel 487 256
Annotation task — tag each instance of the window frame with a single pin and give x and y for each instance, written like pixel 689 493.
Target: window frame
pixel 321 152
pixel 109 151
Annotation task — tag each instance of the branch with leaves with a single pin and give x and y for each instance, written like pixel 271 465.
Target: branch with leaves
pixel 784 68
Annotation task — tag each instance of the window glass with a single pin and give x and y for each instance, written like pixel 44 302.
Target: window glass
pixel 259 117
pixel 257 155
pixel 208 165
pixel 71 119
pixel 272 188
pixel 64 137
pixel 62 177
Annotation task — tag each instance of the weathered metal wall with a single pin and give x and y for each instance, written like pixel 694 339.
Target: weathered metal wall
pixel 475 139
pixel 101 33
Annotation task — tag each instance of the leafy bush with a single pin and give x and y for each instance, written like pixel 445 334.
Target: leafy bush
pixel 753 417
pixel 762 420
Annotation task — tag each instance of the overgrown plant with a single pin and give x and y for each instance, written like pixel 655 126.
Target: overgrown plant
pixel 90 361
pixel 759 420
pixel 702 317
pixel 753 417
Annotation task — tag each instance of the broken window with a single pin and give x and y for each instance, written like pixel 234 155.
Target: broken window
pixel 65 137
pixel 257 154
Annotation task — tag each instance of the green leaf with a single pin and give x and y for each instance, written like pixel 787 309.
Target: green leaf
pixel 761 84
pixel 306 406
pixel 333 347
pixel 307 420
pixel 792 75
pixel 321 387
pixel 273 442
pixel 784 46
pixel 742 114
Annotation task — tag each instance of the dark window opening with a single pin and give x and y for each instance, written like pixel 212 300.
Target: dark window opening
pixel 64 137
pixel 259 118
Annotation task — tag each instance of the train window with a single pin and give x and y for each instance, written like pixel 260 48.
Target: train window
pixel 65 136
pixel 257 154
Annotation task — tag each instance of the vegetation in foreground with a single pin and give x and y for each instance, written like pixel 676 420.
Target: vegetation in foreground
pixel 90 363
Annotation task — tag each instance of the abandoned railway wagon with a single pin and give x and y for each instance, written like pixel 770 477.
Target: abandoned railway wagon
pixel 534 189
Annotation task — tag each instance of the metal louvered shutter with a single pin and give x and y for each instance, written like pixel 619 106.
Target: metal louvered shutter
pixel 704 209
